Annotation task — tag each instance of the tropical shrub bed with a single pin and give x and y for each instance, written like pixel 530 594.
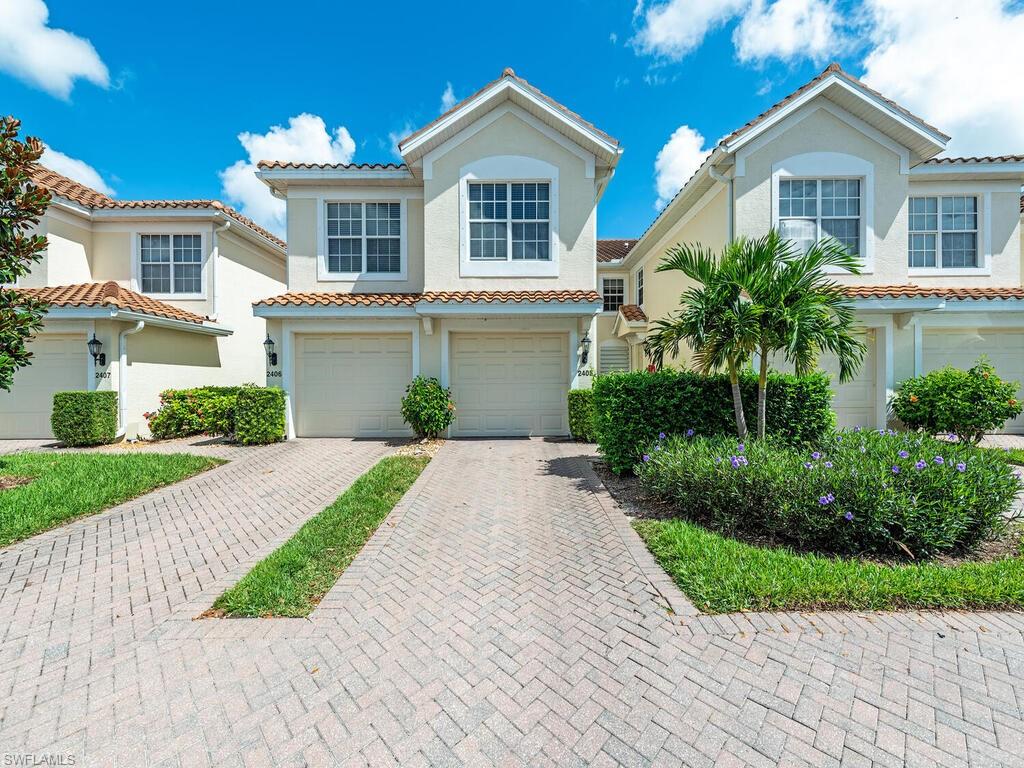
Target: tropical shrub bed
pixel 886 494
pixel 427 407
pixel 195 411
pixel 259 415
pixel 84 418
pixel 631 409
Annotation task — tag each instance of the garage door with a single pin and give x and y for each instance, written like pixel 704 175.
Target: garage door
pixel 58 364
pixel 962 348
pixel 854 401
pixel 351 385
pixel 510 384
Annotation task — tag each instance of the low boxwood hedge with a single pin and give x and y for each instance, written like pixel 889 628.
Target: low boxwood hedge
pixel 259 415
pixel 84 418
pixel 581 414
pixel 631 409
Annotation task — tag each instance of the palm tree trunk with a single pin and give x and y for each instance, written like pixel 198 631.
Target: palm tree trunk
pixel 737 400
pixel 762 393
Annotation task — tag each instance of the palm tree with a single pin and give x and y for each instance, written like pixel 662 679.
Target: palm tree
pixel 801 310
pixel 716 320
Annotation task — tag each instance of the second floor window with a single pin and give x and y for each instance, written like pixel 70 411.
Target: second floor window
pixel 171 263
pixel 943 232
pixel 640 287
pixel 364 237
pixel 814 209
pixel 509 221
pixel 613 290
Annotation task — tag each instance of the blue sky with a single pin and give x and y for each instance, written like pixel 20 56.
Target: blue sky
pixel 155 108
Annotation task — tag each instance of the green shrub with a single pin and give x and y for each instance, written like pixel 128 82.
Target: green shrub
pixel 259 415
pixel 883 493
pixel 427 407
pixel 964 403
pixel 581 414
pixel 196 411
pixel 631 409
pixel 84 418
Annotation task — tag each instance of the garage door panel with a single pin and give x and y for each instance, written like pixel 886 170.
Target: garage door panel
pixel 351 385
pixel 59 363
pixel 510 384
pixel 854 401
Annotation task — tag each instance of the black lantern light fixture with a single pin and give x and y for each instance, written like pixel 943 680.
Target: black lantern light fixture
pixel 584 349
pixel 268 345
pixel 99 357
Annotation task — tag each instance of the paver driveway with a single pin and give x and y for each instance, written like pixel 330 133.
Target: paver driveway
pixel 504 613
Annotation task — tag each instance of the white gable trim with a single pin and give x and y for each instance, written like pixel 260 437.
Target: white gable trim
pixel 834 79
pixel 835 110
pixel 495 114
pixel 503 85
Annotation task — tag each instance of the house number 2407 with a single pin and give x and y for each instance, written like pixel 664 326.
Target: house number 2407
pixel 103 374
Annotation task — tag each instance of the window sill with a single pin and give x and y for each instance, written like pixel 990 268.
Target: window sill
pixel 949 271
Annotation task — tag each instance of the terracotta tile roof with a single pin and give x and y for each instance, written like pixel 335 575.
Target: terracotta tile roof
pixel 633 313
pixel 267 165
pixel 325 299
pixel 833 68
pixel 508 72
pixel 613 250
pixel 109 294
pixel 915 291
pixel 72 190
pixel 965 160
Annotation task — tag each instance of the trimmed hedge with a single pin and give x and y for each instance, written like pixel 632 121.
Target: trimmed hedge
pixel 196 411
pixel 631 409
pixel 427 407
pixel 581 415
pixel 259 415
pixel 84 418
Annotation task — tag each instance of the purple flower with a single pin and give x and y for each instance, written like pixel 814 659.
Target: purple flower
pixel 827 499
pixel 647 457
pixel 734 460
pixel 857 429
pixel 828 465
pixel 903 455
pixel 657 447
pixel 939 460
pixel 718 459
pixel 961 467
pixel 921 464
pixel 952 436
pixel 839 438
pixel 690 433
pixel 895 469
pixel 741 448
pixel 816 455
pixel 808 465
pixel 661 435
pixel 849 517
pixel 863 449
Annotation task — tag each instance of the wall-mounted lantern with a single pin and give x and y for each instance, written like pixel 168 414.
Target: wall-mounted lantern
pixel 584 349
pixel 268 345
pixel 99 357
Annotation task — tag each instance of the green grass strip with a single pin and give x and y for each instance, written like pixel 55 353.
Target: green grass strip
pixel 293 579
pixel 1012 455
pixel 66 486
pixel 720 574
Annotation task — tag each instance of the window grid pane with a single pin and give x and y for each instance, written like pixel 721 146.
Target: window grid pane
pixel 614 293
pixel 345 237
pixel 488 222
pixel 155 252
pixel 383 237
pixel 188 257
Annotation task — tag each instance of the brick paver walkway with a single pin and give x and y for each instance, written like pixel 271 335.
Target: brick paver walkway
pixel 503 614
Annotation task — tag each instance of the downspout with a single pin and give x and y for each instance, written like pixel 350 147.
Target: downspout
pixel 729 182
pixel 122 376
pixel 216 272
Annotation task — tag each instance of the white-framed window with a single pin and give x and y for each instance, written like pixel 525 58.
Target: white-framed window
pixel 639 280
pixel 943 232
pixel 363 237
pixel 814 209
pixel 613 292
pixel 509 220
pixel 171 264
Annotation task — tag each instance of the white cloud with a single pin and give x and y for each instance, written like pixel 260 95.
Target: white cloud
pixel 305 140
pixel 448 99
pixel 675 28
pixel 954 65
pixel 676 162
pixel 51 59
pixel 73 168
pixel 396 136
pixel 613 38
pixel 788 29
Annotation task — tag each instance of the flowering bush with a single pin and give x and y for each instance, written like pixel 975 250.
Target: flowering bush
pixel 966 403
pixel 201 410
pixel 861 492
pixel 427 407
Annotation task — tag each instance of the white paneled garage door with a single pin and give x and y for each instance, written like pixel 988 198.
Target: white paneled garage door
pixel 961 348
pixel 59 363
pixel 855 401
pixel 351 385
pixel 510 384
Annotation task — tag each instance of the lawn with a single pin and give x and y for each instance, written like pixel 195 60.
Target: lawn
pixel 720 574
pixel 1012 455
pixel 292 580
pixel 66 486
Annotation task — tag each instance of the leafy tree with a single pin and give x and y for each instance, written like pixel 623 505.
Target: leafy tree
pixel 801 310
pixel 22 204
pixel 717 320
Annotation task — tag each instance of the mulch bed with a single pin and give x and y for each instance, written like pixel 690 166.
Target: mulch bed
pixel 13 481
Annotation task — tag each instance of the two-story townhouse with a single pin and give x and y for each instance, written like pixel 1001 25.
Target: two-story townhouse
pixel 160 290
pixel 939 237
pixel 472 261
